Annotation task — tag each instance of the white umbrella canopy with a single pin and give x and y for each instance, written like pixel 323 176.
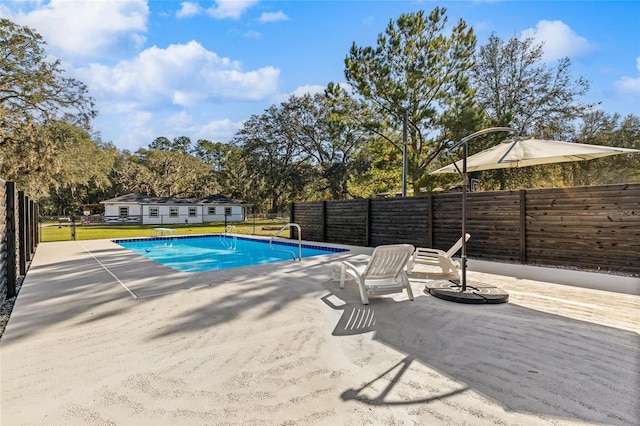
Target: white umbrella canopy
pixel 529 152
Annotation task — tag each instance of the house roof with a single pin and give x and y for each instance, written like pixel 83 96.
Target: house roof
pixel 135 198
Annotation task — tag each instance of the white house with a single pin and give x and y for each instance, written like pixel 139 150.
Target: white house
pixel 139 208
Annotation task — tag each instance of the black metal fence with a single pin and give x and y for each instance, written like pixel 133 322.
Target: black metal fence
pixel 18 236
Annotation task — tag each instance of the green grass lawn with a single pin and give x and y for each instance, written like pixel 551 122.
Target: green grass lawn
pixel 62 232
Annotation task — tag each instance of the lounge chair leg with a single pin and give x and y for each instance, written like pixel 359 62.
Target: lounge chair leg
pixel 409 290
pixel 334 273
pixel 363 293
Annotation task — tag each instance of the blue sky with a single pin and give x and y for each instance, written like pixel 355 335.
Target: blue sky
pixel 198 69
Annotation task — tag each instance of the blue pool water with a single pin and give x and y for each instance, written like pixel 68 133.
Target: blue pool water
pixel 214 252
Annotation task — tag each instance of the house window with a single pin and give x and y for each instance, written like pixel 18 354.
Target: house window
pixel 173 212
pixel 211 210
pixel 124 211
pixel 192 211
pixel 153 212
pixel 227 211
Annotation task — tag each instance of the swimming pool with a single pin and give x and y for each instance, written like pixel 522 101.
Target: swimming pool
pixel 203 253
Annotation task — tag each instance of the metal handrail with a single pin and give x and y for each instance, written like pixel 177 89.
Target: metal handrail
pixel 229 229
pixel 289 225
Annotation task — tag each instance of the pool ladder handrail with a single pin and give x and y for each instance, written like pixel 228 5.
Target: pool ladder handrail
pixel 229 229
pixel 288 226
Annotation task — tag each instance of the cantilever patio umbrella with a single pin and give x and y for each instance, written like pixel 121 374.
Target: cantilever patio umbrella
pixel 514 153
pixel 529 152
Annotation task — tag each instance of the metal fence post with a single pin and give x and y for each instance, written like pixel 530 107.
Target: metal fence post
pixel 36 230
pixel 12 275
pixel 22 221
pixel 32 228
pixel 73 228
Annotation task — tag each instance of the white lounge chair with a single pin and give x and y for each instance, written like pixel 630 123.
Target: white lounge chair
pixel 433 263
pixel 385 273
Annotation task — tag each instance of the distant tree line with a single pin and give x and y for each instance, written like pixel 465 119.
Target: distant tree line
pixel 419 84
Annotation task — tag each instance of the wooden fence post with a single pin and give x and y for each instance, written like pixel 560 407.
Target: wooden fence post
pixel 430 220
pixel 367 224
pixel 292 219
pixel 523 226
pixel 323 214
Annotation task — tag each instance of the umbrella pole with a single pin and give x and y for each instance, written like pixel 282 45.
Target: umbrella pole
pixel 446 292
pixel 464 141
pixel 463 256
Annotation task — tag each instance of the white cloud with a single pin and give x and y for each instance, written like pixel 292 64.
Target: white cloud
pixel 181 74
pixel 180 119
pixel 629 87
pixel 222 9
pixel 232 9
pixel 139 119
pixel 308 89
pixel 188 9
pixel 253 34
pixel 273 17
pixel 216 130
pixel 187 97
pixel 138 130
pixel 559 40
pixel 369 21
pixel 134 130
pixel 86 28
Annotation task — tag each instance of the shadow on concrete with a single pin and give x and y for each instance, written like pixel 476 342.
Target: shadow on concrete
pixel 525 360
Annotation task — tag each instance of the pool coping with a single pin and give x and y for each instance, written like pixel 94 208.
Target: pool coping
pixel 327 247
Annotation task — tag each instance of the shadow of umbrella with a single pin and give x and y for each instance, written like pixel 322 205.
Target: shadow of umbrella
pixel 382 397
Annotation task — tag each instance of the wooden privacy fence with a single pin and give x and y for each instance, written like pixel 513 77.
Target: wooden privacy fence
pixel 18 236
pixel 591 227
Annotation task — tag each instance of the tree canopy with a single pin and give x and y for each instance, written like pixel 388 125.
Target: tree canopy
pixel 415 75
pixel 37 104
pixel 514 87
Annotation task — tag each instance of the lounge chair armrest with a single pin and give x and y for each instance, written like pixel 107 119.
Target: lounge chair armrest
pixel 431 252
pixel 447 264
pixel 426 256
pixel 349 265
pixel 349 269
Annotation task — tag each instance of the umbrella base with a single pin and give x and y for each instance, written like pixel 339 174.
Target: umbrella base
pixel 476 292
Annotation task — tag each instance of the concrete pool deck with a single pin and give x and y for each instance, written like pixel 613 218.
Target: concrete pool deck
pixel 99 335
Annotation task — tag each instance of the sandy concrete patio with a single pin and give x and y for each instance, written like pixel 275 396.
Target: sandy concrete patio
pixel 99 335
